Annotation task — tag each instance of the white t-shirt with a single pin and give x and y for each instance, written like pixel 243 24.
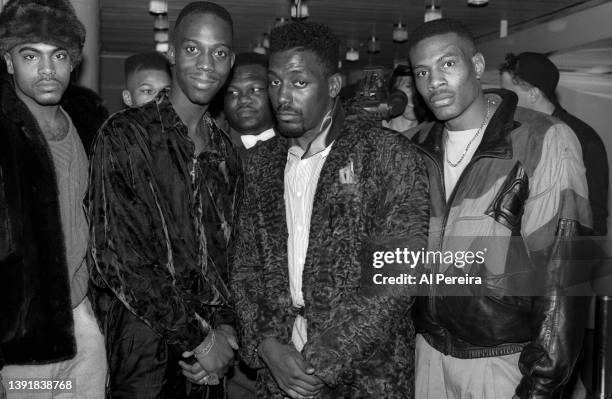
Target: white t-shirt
pixel 455 144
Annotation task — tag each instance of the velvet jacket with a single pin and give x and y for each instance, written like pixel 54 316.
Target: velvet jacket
pixel 36 324
pixel 162 220
pixel 360 336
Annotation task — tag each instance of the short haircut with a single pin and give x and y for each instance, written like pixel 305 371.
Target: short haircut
pixel 509 65
pixel 146 61
pixel 310 36
pixel 42 21
pixel 243 59
pixel 204 7
pixel 530 69
pixel 440 27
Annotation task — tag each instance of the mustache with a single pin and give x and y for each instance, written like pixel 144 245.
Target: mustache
pixel 440 93
pixel 286 109
pixel 47 79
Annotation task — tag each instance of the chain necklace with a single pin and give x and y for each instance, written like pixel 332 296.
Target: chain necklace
pixel 482 125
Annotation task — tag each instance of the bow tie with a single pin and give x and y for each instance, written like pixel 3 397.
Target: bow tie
pixel 249 140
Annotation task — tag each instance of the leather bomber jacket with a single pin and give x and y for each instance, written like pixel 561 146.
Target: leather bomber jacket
pixel 512 202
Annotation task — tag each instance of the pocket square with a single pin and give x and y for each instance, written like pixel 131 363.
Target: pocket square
pixel 347 174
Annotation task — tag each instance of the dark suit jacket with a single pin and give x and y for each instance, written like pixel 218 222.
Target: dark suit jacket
pixel 360 336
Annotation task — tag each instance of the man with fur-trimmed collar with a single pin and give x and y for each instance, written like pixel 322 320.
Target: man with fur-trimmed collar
pixel 47 329
pixel 319 200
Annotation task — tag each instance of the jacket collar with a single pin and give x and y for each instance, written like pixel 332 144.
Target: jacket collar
pixel 12 107
pixel 558 111
pixel 169 118
pixel 496 141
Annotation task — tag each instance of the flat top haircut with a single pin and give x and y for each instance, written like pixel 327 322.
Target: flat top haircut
pixel 42 21
pixel 146 61
pixel 204 7
pixel 250 59
pixel 311 36
pixel 440 27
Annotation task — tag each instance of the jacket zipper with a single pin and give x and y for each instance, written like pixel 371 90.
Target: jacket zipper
pixel 447 208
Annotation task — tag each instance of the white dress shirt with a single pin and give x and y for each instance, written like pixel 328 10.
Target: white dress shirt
pixel 301 178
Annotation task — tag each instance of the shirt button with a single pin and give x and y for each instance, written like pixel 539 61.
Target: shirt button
pixel 299 193
pixel 299 228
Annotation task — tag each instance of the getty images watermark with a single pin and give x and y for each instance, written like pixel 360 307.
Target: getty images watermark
pixel 409 258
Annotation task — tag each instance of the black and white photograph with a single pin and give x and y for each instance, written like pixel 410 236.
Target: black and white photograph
pixel 305 199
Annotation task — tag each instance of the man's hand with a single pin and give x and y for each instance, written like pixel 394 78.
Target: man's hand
pixel 290 370
pixel 197 375
pixel 212 365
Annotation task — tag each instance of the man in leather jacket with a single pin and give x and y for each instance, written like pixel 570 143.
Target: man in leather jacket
pixel 512 191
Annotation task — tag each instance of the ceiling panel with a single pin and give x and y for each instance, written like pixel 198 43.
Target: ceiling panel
pixel 127 27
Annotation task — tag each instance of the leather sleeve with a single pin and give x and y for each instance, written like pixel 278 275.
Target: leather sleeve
pixel 555 213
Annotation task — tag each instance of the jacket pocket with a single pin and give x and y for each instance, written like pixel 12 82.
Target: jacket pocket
pixel 509 203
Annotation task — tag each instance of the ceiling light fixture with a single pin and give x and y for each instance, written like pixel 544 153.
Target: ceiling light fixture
pixel 477 3
pixel 503 28
pixel 162 47
pixel 400 33
pixel 352 54
pixel 157 7
pixel 373 45
pixel 299 10
pixel 432 11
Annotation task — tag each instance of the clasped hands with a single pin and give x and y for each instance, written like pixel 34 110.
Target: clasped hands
pixel 214 357
pixel 293 374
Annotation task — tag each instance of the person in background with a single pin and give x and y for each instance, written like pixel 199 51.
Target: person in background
pixel 246 102
pixel 516 191
pixel 165 185
pixel 146 74
pixel 319 200
pixel 250 121
pixel 47 328
pixel 401 79
pixel 534 78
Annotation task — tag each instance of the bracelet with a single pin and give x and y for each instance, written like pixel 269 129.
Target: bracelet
pixel 204 350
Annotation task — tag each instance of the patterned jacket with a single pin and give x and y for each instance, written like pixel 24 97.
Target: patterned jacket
pixel 162 220
pixel 521 199
pixel 360 344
